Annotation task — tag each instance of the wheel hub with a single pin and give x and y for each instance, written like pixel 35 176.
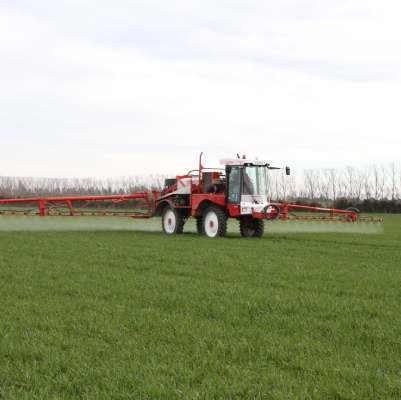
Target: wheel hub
pixel 169 221
pixel 211 224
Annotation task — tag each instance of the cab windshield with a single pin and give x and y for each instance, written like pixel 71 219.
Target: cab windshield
pixel 255 181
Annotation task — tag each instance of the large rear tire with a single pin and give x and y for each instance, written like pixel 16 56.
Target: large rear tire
pixel 214 222
pixel 251 227
pixel 172 221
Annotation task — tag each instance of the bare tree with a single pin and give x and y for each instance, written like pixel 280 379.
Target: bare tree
pixel 311 183
pixel 358 184
pixel 349 182
pixel 375 181
pixel 333 182
pixel 382 182
pixel 325 184
pixel 393 181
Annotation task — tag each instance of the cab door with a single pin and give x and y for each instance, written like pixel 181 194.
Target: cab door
pixel 234 184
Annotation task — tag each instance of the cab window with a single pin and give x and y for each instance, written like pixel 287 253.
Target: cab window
pixel 234 185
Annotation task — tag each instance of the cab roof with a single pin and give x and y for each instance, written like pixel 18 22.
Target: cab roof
pixel 243 161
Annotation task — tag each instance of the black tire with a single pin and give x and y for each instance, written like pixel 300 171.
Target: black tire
pixel 259 228
pixel 246 226
pixel 199 225
pixel 214 222
pixel 177 221
pixel 251 227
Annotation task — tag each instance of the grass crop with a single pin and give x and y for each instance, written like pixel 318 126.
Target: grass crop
pixel 120 314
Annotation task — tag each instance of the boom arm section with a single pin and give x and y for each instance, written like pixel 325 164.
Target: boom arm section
pixel 134 205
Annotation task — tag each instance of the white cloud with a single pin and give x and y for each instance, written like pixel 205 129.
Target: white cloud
pixel 87 88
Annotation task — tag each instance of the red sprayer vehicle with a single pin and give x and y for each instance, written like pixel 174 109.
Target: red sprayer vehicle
pixel 210 195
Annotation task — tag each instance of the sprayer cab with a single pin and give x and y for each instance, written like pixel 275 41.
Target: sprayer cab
pixel 248 184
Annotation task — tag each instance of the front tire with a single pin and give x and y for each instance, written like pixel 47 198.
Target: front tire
pixel 172 221
pixel 214 222
pixel 251 227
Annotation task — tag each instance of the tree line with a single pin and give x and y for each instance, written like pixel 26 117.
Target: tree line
pixel 373 188
pixel 376 188
pixel 30 187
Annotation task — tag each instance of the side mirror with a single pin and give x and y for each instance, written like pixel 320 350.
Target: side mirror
pixel 287 171
pixel 228 169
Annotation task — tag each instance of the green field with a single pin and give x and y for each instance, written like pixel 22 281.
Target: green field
pixel 114 313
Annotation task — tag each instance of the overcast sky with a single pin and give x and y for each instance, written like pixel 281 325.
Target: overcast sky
pixel 123 87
